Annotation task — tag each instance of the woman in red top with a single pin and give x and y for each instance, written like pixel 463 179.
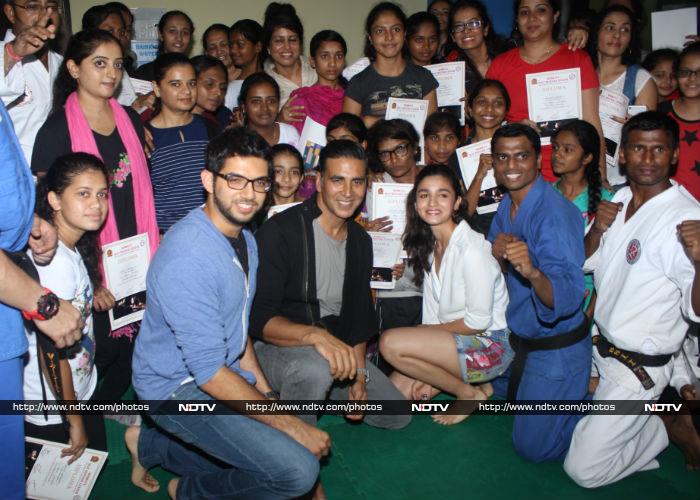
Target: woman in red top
pixel 541 52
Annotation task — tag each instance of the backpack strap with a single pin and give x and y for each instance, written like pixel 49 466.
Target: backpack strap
pixel 630 82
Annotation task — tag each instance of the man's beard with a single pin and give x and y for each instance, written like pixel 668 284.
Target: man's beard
pixel 229 216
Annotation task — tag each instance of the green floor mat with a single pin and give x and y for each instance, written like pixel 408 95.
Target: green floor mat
pixel 473 460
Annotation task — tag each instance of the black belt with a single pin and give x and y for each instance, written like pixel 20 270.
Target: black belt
pixel 522 347
pixel 635 361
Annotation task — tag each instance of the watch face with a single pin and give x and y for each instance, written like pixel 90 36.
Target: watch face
pixel 48 305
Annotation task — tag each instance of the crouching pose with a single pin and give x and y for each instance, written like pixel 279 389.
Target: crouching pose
pixel 464 338
pixel 194 346
pixel 644 251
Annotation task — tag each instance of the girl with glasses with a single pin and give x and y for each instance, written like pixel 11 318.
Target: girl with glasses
pixel 686 111
pixel 472 40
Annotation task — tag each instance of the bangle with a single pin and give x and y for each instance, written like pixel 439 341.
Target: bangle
pixel 11 52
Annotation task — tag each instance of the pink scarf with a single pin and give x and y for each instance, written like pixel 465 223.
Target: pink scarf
pixel 83 140
pixel 320 103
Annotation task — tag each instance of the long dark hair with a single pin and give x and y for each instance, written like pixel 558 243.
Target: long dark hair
pixel 588 139
pixel 329 36
pixel 376 11
pixel 81 46
pixel 59 176
pixel 632 54
pixel 418 239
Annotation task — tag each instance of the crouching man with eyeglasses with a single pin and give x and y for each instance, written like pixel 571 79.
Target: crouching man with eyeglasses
pixel 193 346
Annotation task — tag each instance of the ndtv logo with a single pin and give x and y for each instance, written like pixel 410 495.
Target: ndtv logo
pixel 662 407
pixel 196 407
pixel 431 407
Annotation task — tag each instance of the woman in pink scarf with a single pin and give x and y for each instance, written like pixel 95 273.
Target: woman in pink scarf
pixel 323 100
pixel 87 118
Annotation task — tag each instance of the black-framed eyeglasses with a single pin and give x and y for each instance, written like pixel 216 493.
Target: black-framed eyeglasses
pixel 238 182
pixel 687 73
pixel 400 151
pixel 38 7
pixel 474 24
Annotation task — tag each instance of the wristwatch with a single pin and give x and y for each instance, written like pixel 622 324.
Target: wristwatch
pixel 46 307
pixel 365 372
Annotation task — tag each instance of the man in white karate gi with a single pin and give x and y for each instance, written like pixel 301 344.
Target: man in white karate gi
pixel 644 251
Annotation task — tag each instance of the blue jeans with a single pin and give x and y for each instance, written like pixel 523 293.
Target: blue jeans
pixel 226 456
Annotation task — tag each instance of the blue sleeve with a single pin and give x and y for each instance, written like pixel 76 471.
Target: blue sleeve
pixel 186 284
pixel 495 228
pixel 556 246
pixel 16 189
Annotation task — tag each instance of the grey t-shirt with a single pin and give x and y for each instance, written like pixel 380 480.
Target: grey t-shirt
pixel 330 271
pixel 372 90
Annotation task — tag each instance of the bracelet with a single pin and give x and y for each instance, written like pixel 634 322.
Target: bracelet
pixel 11 53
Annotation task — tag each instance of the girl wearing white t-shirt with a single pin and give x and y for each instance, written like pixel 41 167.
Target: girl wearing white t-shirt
pixel 463 341
pixel 73 196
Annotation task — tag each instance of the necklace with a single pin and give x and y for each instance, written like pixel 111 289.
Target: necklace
pixel 540 58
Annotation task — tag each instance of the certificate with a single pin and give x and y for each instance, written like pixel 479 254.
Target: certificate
pixel 553 98
pixel 669 28
pixel 125 264
pixel 450 92
pixel 490 194
pixel 386 248
pixel 275 209
pixel 414 111
pixel 141 87
pixel 356 67
pixel 389 199
pixel 311 142
pixel 49 477
pixel 612 105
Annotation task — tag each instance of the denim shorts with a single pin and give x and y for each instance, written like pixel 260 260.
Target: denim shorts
pixel 483 357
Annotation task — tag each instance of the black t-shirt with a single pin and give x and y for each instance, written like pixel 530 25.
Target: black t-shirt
pixel 53 140
pixel 241 248
pixel 146 71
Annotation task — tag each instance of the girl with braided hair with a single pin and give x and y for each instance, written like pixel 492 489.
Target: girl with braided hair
pixel 575 155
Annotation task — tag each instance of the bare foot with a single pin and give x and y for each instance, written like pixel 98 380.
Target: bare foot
pixel 172 488
pixel 476 395
pixel 486 388
pixel 682 433
pixel 139 475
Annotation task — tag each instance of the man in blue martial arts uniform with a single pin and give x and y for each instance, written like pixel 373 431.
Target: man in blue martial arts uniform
pixel 537 236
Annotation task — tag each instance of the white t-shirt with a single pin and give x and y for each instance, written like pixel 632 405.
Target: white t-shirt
pixel 643 76
pixel 288 135
pixel 469 286
pixel 67 277
pixel 30 79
